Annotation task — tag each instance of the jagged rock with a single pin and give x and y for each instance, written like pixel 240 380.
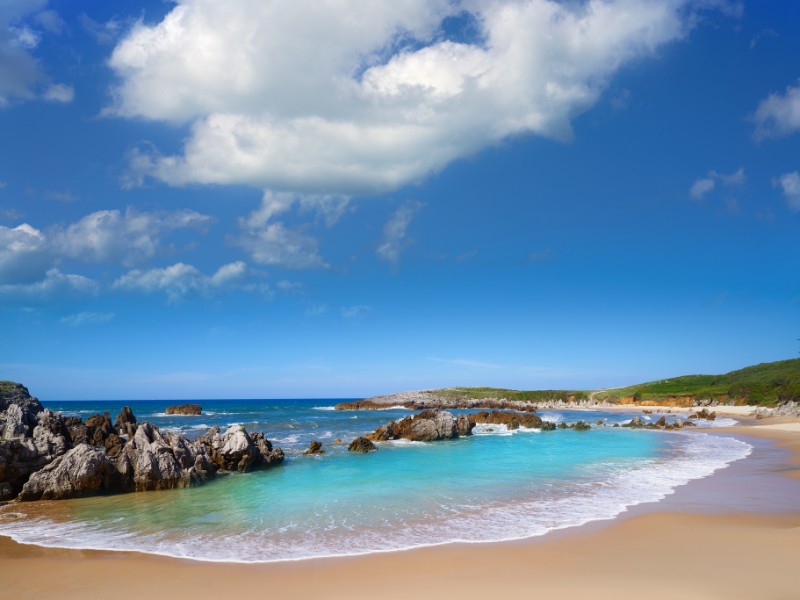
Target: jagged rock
pixel 235 450
pixel 562 425
pixel 509 419
pixel 98 428
pixel 704 414
pixel 83 471
pixel 635 423
pixel 185 409
pixel 19 411
pixel 548 426
pixel 153 463
pixel 126 422
pixel 662 422
pixel 362 445
pixel 581 426
pixel 315 447
pixel 464 425
pixel 427 426
pixel 77 430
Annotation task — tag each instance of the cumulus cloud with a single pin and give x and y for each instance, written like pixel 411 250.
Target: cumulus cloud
pixel 58 92
pixel 778 115
pixel 704 185
pixel 54 284
pixel 181 280
pixel 24 255
pixel 271 242
pixel 394 232
pixel 790 186
pixel 372 95
pixel 130 236
pixel 86 318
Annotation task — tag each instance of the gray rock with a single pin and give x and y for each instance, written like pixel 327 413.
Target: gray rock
pixel 427 426
pixel 83 471
pixel 236 450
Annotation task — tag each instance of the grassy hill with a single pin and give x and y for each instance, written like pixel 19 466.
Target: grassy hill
pixel 764 384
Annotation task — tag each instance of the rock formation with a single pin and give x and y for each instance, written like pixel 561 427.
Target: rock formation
pixel 315 447
pixel 237 450
pixel 185 409
pixel 510 419
pixel 704 414
pixel 427 426
pixel 362 445
pixel 46 456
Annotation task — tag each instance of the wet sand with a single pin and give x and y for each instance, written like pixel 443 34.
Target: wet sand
pixel 744 550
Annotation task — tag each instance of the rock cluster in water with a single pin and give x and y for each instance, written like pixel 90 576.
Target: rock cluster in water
pixel 185 409
pixel 426 426
pixel 46 456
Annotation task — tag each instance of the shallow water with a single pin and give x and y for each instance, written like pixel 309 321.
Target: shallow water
pixel 496 485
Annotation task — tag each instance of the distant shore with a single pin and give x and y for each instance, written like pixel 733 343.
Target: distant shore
pixel 669 553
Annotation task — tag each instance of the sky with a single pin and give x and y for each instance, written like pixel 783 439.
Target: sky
pixel 267 199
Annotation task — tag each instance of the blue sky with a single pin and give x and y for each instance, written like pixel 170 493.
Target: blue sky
pixel 268 199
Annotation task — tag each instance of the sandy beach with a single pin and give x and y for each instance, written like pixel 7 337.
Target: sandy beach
pixel 657 552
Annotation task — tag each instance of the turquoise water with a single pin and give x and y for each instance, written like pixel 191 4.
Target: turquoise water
pixel 495 485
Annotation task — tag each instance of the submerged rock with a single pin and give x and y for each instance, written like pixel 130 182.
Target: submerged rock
pixel 315 447
pixel 362 445
pixel 185 409
pixel 635 423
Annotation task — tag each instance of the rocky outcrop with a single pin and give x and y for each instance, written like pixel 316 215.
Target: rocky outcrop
pixel 126 422
pixel 185 409
pixel 362 445
pixel 509 419
pixel 581 426
pixel 433 400
pixel 236 450
pixel 704 414
pixel 83 471
pixel 427 426
pixel 55 457
pixel 315 447
pixel 634 423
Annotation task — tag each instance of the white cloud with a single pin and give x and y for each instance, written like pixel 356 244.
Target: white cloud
pixel 86 318
pixel 790 186
pixel 59 92
pixel 104 33
pixel 371 97
pixel 24 256
pixel 701 187
pixel 394 232
pixel 181 280
pixel 54 284
pixel 111 235
pixel 26 253
pixel 354 312
pixel 778 115
pixel 271 242
pixel 704 185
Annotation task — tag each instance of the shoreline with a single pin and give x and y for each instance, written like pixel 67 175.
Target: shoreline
pixel 649 541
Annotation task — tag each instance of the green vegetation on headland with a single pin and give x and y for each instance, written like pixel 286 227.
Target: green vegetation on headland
pixel 765 384
pixel 478 393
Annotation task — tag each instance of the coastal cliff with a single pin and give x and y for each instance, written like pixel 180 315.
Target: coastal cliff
pixel 46 456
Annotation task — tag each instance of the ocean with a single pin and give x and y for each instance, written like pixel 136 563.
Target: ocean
pixel 492 486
